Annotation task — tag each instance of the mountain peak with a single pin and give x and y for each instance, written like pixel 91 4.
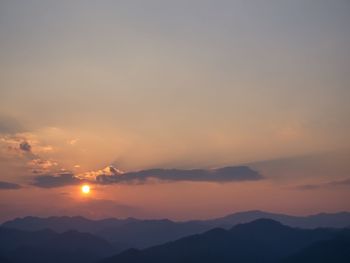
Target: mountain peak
pixel 263 224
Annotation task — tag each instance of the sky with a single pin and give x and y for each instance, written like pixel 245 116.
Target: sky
pixel 146 101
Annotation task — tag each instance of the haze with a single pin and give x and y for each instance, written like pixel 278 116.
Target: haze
pixel 139 85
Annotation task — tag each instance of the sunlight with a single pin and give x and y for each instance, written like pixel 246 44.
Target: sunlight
pixel 85 189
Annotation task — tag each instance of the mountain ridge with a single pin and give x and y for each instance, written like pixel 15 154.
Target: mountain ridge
pixel 263 240
pixel 143 233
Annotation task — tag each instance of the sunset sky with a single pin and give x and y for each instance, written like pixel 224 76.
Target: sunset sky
pixel 105 92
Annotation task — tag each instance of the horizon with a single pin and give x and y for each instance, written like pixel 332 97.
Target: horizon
pixel 183 220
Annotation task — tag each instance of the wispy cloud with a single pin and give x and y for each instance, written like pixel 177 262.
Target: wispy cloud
pixel 221 175
pixel 56 180
pixel 344 182
pixel 9 186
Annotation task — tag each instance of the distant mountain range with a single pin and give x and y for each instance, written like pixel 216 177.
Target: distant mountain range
pixel 333 220
pixel 227 239
pixel 131 232
pixel 137 233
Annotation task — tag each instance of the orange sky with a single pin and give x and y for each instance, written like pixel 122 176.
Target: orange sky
pixel 178 84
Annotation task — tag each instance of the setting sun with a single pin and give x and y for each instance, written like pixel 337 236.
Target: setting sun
pixel 85 189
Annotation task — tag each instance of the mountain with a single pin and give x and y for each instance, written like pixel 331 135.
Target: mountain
pixel 20 246
pixel 146 233
pixel 4 260
pixel 333 220
pixel 263 241
pixel 260 241
pixel 62 224
pixel 137 233
pixel 327 251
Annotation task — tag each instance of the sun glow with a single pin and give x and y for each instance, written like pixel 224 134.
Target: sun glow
pixel 85 189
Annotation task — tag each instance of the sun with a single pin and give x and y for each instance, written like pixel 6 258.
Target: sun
pixel 85 189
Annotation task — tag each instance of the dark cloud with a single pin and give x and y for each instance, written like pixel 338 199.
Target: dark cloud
pixel 9 125
pixel 222 175
pixel 9 186
pixel 340 182
pixel 345 182
pixel 56 180
pixel 25 146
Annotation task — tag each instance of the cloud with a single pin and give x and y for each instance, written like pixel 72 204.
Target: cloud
pixel 9 186
pixel 9 125
pixel 111 175
pixel 309 186
pixel 40 164
pixel 25 146
pixel 340 182
pixel 56 180
pixel 73 141
pixel 221 175
pixel 344 182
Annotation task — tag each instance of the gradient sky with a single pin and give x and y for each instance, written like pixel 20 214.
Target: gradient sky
pixel 174 84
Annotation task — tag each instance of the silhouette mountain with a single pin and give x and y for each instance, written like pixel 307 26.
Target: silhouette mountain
pixel 136 233
pixel 328 251
pixel 146 233
pixel 263 240
pixel 47 246
pixel 62 224
pixel 4 260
